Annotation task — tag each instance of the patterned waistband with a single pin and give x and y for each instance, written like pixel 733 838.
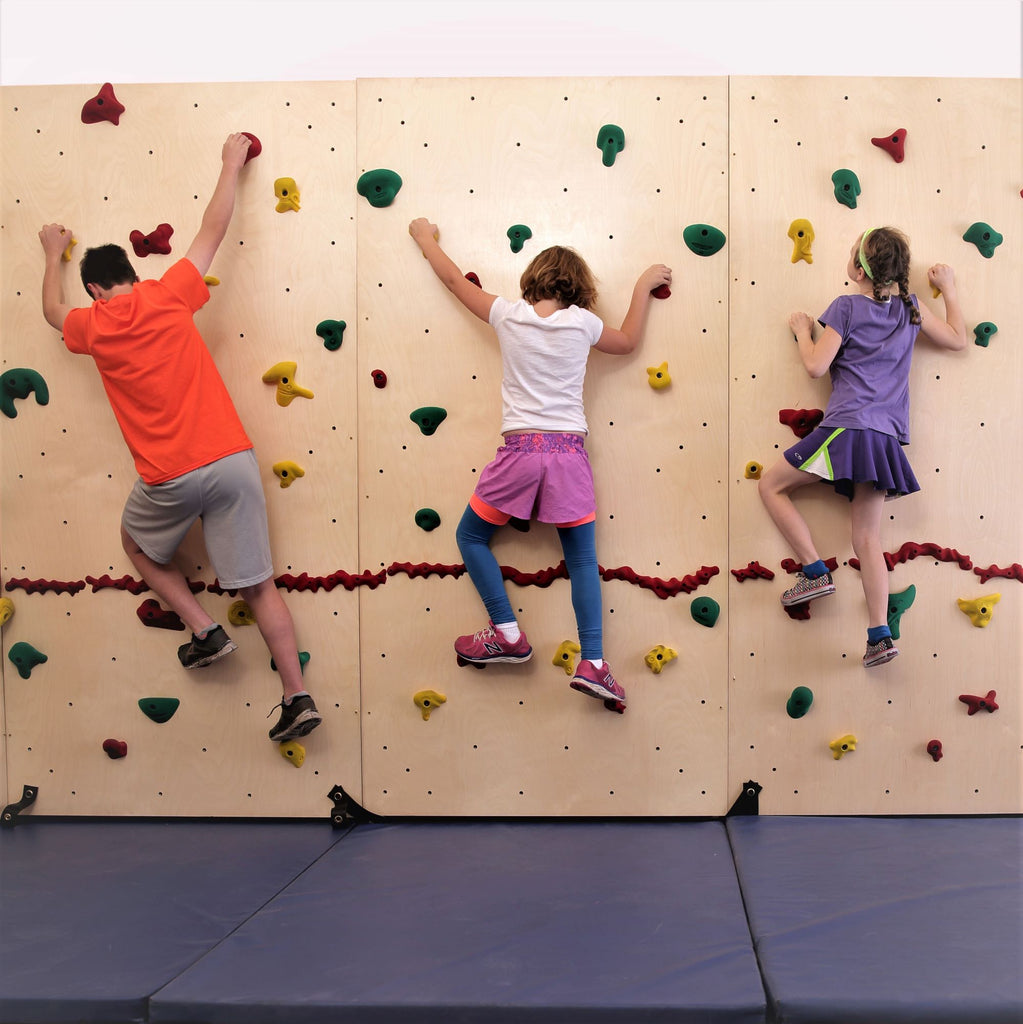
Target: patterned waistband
pixel 548 443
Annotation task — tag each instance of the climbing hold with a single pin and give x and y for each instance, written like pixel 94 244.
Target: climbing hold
pixel 474 278
pixel 66 254
pixel 802 421
pixel 427 519
pixel 303 660
pixel 379 378
pixel 20 382
pixel 287 194
pixel 799 702
pixel 610 139
pixel 894 144
pixel 564 656
pixel 658 376
pixel 979 609
pixel 427 700
pixel 984 237
pixel 934 749
pixel 662 291
pixel 379 186
pixel 801 233
pixel 115 749
pixel 705 611
pixel 847 187
pixel 753 470
pixel 428 418
pixel 703 239
pixel 287 472
pixel 6 609
pixel 293 751
pixel 159 709
pixel 975 703
pixel 158 241
pixel 283 375
pixel 659 657
pixel 984 332
pixel 753 571
pixel 210 281
pixel 255 147
pixel 102 107
pixel 332 332
pixel 897 604
pixel 517 235
pixel 151 614
pixel 843 745
pixel 240 614
pixel 25 657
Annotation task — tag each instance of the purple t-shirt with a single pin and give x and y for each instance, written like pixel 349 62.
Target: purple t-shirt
pixel 870 373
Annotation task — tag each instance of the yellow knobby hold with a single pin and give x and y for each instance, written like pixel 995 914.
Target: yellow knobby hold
pixel 240 614
pixel 210 281
pixel 753 470
pixel 293 751
pixel 6 609
pixel 658 376
pixel 564 656
pixel 979 609
pixel 283 375
pixel 843 745
pixel 66 254
pixel 427 700
pixel 659 657
pixel 287 472
pixel 287 195
pixel 801 233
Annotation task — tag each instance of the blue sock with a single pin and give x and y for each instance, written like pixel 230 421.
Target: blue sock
pixel 577 543
pixel 815 569
pixel 876 633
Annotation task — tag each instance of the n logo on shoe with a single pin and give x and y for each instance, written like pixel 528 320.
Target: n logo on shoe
pixel 492 648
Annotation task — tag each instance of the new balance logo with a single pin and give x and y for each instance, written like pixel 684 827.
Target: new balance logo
pixel 493 648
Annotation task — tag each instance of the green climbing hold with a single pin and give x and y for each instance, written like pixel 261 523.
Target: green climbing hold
pixel 303 660
pixel 984 237
pixel 159 709
pixel 427 519
pixel 984 332
pixel 517 235
pixel 704 610
pixel 897 604
pixel 332 332
pixel 379 186
pixel 610 139
pixel 703 239
pixel 428 418
pixel 25 657
pixel 847 187
pixel 20 382
pixel 799 702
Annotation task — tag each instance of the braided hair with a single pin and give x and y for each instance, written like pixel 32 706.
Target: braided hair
pixel 884 258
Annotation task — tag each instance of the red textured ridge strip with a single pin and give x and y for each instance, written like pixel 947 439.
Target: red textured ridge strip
pixel 911 550
pixel 424 569
pixel 662 588
pixel 1012 572
pixel 45 586
pixel 128 583
pixel 753 571
pixel 304 581
pixel 790 565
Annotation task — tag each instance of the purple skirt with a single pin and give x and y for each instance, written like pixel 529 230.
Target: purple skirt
pixel 844 456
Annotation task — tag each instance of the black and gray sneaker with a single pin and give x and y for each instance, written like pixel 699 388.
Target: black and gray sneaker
pixel 298 718
pixel 880 653
pixel 214 645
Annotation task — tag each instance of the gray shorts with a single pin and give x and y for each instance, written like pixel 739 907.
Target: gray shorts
pixel 227 495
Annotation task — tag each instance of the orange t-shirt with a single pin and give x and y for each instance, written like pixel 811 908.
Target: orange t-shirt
pixel 172 406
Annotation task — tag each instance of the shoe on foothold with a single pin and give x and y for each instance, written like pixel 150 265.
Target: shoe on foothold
pixel 883 651
pixel 599 683
pixel 298 718
pixel 214 645
pixel 807 588
pixel 488 646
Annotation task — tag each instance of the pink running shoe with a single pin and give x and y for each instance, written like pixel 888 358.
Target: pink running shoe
pixel 488 645
pixel 599 683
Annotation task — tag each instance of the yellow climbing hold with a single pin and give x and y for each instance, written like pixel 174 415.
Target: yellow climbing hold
pixel 659 657
pixel 66 254
pixel 283 375
pixel 979 609
pixel 753 470
pixel 293 751
pixel 6 609
pixel 240 614
pixel 287 195
pixel 658 376
pixel 210 281
pixel 427 700
pixel 801 233
pixel 564 656
pixel 287 472
pixel 843 745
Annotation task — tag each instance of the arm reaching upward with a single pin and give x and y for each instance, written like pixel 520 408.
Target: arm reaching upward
pixel 54 238
pixel 950 332
pixel 477 301
pixel 624 339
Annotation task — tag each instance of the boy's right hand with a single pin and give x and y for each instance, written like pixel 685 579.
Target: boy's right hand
pixel 54 239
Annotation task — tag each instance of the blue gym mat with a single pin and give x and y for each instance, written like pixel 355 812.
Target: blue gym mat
pixel 896 921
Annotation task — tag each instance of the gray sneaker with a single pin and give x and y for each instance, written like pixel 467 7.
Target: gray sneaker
pixel 214 645
pixel 298 718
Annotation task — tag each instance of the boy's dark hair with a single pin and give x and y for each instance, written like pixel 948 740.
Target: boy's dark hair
pixel 887 252
pixel 559 273
pixel 107 265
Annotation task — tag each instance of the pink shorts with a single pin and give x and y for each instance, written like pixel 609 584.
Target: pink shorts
pixel 546 476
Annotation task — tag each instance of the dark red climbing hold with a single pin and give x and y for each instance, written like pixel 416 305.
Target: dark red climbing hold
pixel 158 241
pixel 379 379
pixel 802 421
pixel 115 749
pixel 753 571
pixel 662 291
pixel 894 144
pixel 975 703
pixel 102 107
pixel 934 749
pixel 255 146
pixel 151 614
pixel 474 279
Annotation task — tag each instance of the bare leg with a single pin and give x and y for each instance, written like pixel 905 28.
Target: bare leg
pixel 275 623
pixel 168 582
pixel 867 506
pixel 776 487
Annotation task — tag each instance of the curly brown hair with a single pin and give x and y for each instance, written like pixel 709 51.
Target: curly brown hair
pixel 886 251
pixel 559 273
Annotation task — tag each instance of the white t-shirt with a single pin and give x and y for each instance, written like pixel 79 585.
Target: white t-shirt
pixel 544 365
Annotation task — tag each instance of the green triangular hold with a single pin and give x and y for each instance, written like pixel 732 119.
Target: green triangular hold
pixel 159 709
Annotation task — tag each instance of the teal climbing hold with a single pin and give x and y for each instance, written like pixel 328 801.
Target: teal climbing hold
pixel 611 140
pixel 20 382
pixel 303 660
pixel 428 418
pixel 332 332
pixel 379 186
pixel 427 519
pixel 847 187
pixel 984 332
pixel 704 610
pixel 517 236
pixel 25 657
pixel 984 237
pixel 897 604
pixel 159 709
pixel 703 239
pixel 799 702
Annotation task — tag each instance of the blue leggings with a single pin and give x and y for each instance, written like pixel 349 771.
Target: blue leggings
pixel 577 543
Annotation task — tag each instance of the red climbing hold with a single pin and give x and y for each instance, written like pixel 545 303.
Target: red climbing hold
pixel 753 571
pixel 102 107
pixel 474 279
pixel 255 146
pixel 985 703
pixel 934 749
pixel 1012 572
pixel 894 144
pixel 115 749
pixel 151 614
pixel 802 421
pixel 798 611
pixel 662 291
pixel 379 379
pixel 790 565
pixel 158 240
